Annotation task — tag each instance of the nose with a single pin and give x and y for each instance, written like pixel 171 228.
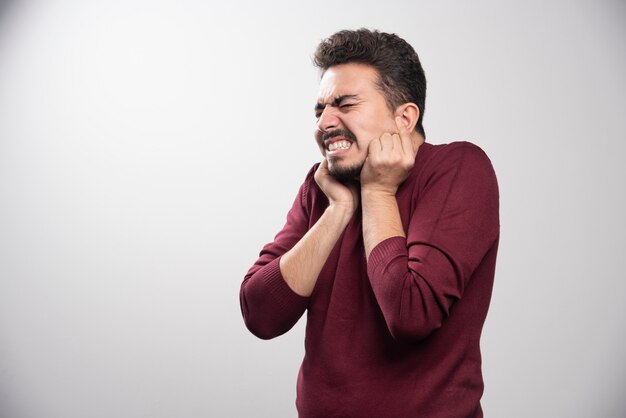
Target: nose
pixel 328 120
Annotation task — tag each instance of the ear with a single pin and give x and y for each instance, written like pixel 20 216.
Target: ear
pixel 410 113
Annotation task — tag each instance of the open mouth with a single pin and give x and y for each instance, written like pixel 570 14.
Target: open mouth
pixel 338 141
pixel 338 145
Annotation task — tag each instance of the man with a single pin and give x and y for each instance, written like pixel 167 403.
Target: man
pixel 390 247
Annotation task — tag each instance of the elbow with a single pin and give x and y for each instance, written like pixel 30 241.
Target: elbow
pixel 269 307
pixel 265 331
pixel 255 323
pixel 263 323
pixel 412 331
pixel 413 312
pixel 415 318
pixel 260 331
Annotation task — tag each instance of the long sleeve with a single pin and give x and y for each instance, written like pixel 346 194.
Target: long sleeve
pixel 453 225
pixel 268 305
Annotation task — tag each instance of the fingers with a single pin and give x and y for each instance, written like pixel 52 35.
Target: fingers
pixel 375 146
pixel 388 148
pixel 405 137
pixel 393 148
pixel 323 165
pixel 321 174
pixel 385 145
pixel 389 161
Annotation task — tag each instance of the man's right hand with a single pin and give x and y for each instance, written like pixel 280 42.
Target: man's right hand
pixel 338 194
pixel 302 264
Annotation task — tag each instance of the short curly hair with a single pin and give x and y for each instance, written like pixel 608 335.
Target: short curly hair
pixel 401 77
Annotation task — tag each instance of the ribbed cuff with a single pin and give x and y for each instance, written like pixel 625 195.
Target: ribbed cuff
pixel 386 250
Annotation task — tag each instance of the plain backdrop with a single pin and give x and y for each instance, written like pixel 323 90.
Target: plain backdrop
pixel 148 150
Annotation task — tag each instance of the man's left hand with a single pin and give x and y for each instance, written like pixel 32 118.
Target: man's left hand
pixel 389 161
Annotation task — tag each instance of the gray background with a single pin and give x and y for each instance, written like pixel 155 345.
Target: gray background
pixel 148 149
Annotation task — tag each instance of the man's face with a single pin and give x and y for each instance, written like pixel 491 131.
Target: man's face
pixel 351 111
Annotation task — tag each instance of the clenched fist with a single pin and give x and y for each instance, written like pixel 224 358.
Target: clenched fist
pixel 389 161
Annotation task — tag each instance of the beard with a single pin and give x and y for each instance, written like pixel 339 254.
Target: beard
pixel 345 174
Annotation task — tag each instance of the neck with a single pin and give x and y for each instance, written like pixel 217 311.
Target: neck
pixel 417 138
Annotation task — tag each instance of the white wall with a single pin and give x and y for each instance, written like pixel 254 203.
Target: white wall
pixel 148 149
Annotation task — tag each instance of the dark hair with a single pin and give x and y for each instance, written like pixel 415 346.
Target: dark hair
pixel 401 77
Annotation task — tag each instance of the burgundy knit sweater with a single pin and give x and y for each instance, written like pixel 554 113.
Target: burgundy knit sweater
pixel 397 336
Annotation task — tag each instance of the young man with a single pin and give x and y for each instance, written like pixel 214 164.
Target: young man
pixel 390 247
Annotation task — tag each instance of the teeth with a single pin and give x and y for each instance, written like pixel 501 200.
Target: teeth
pixel 339 145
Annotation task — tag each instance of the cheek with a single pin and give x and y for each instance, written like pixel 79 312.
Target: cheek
pixel 364 133
pixel 317 137
pixel 322 150
pixel 363 144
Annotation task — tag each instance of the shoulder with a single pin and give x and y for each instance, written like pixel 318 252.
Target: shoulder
pixel 459 164
pixel 311 173
pixel 454 150
pixel 309 180
pixel 460 154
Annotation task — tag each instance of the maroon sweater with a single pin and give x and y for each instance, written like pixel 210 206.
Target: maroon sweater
pixel 398 335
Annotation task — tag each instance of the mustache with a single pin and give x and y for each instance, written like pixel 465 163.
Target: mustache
pixel 338 132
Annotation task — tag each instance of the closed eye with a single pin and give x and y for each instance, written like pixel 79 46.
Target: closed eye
pixel 338 102
pixel 343 107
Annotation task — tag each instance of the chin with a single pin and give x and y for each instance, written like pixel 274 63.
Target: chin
pixel 345 174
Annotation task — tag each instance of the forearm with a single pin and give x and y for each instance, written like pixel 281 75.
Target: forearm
pixel 409 307
pixel 381 218
pixel 451 231
pixel 301 265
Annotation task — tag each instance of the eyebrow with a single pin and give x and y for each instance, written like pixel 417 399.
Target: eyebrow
pixel 336 101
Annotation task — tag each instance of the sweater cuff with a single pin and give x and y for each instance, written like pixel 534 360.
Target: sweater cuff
pixel 282 294
pixel 386 250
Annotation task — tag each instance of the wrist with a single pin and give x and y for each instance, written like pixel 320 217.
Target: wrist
pixel 342 210
pixel 377 192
